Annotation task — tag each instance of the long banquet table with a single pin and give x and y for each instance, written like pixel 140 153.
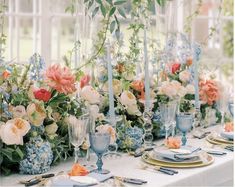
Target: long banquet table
pixel 220 173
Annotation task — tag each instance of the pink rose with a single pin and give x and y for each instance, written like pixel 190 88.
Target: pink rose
pixel 173 142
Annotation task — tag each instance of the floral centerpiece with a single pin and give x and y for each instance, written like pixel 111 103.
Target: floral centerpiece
pixel 34 107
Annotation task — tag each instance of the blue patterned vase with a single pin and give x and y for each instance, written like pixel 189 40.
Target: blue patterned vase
pixel 39 157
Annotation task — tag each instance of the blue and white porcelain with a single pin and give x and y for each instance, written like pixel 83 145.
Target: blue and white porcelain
pixel 39 157
pixel 184 122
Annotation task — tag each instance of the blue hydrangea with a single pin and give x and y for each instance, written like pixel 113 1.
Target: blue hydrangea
pixel 130 138
pixel 39 157
pixel 37 67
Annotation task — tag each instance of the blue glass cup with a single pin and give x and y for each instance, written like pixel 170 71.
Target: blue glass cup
pixel 99 144
pixel 231 108
pixel 184 122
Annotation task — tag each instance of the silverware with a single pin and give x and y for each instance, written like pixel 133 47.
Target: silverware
pixel 139 152
pixel 131 180
pixel 36 180
pixel 164 170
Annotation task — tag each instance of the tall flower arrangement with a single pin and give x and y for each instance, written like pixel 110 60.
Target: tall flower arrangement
pixel 36 103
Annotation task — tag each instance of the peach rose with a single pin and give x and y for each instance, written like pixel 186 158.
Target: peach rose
pixel 209 91
pixel 127 98
pixel 117 87
pixel 173 143
pixel 89 94
pixel 13 131
pixel 228 127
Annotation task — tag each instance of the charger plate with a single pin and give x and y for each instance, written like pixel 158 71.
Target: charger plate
pixel 208 160
pixel 218 140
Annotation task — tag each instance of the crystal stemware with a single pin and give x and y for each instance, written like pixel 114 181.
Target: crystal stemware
pixel 167 113
pixel 113 147
pixel 184 122
pixel 77 129
pixel 99 144
pixel 222 106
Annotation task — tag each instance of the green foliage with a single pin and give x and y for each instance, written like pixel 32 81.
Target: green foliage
pixel 10 157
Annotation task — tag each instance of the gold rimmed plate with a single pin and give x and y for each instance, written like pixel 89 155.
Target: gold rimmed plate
pixel 218 140
pixel 206 161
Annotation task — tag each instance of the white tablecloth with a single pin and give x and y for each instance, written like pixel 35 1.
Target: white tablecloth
pixel 220 173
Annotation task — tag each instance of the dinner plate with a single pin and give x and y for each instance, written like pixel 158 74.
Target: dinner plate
pixel 218 140
pixel 156 157
pixel 207 161
pixel 227 135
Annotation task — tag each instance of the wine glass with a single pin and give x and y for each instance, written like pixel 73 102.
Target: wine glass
pixel 113 147
pixel 99 144
pixel 184 122
pixel 167 113
pixel 77 129
pixel 222 105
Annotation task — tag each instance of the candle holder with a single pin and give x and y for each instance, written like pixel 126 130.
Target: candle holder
pixel 147 126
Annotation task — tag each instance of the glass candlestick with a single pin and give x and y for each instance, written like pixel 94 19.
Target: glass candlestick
pixel 147 126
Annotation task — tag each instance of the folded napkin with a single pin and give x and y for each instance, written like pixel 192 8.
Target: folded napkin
pixel 184 153
pixel 80 181
pixel 227 135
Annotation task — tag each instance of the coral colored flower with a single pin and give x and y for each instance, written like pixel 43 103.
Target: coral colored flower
pixel 6 74
pixel 42 95
pixel 61 79
pixel 228 127
pixel 78 170
pixel 173 143
pixel 138 85
pixel 85 81
pixel 209 91
pixel 175 67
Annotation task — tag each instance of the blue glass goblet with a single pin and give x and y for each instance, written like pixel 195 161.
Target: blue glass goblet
pixel 99 144
pixel 231 108
pixel 184 122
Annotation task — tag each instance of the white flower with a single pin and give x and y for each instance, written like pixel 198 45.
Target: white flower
pixel 168 89
pixel 36 114
pixel 51 129
pixel 184 76
pixel 127 98
pixel 89 94
pixel 117 87
pixel 190 89
pixel 13 131
pixel 133 110
pixel 129 75
pixel 182 91
pixel 19 111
